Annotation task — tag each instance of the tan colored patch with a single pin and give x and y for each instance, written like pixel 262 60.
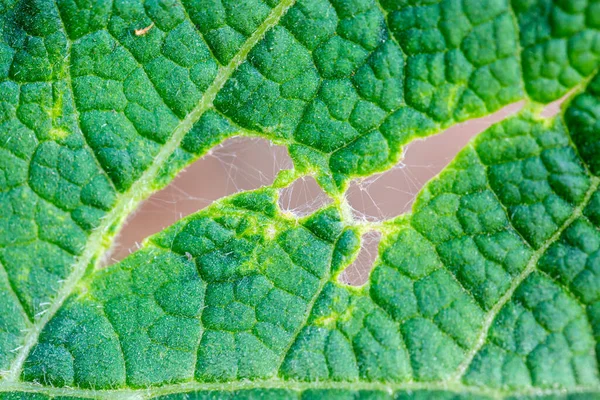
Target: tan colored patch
pixel 144 31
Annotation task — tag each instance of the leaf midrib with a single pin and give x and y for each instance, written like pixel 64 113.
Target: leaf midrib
pixel 99 240
pixel 194 386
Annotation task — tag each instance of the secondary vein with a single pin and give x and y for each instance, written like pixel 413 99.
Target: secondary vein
pixel 531 267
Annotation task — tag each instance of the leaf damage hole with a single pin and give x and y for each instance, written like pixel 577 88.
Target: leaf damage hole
pixel 392 193
pixel 357 273
pixel 238 164
pixel 552 109
pixel 244 163
pixel 303 197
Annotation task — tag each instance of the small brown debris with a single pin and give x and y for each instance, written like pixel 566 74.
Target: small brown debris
pixel 143 31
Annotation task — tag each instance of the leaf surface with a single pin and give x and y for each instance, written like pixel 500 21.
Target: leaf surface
pixel 488 289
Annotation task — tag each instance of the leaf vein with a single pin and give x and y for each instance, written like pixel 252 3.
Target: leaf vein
pixel 138 191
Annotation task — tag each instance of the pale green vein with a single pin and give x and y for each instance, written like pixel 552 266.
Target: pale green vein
pixel 389 388
pixel 530 268
pixel 307 315
pixel 99 241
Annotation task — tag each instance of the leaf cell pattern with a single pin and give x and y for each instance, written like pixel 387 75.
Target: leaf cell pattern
pixel 488 289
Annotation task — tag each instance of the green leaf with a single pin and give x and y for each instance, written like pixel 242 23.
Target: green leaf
pixel 490 288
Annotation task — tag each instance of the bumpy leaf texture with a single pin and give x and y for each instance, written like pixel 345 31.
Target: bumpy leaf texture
pixel 490 288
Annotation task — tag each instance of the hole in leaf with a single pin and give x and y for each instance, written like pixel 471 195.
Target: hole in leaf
pixel 357 273
pixel 303 197
pixel 552 109
pixel 244 163
pixel 391 193
pixel 238 164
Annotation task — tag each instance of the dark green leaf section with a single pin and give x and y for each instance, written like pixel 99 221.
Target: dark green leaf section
pixel 547 331
pixel 348 338
pixel 491 285
pixel 583 118
pixel 462 57
pixel 227 24
pixel 560 43
pixel 88 103
pixel 465 246
pixel 219 296
pixel 13 321
pixel 346 84
pixel 486 215
pixel 92 93
pixel 53 192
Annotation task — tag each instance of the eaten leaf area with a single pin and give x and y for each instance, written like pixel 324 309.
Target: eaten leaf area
pixel 490 288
